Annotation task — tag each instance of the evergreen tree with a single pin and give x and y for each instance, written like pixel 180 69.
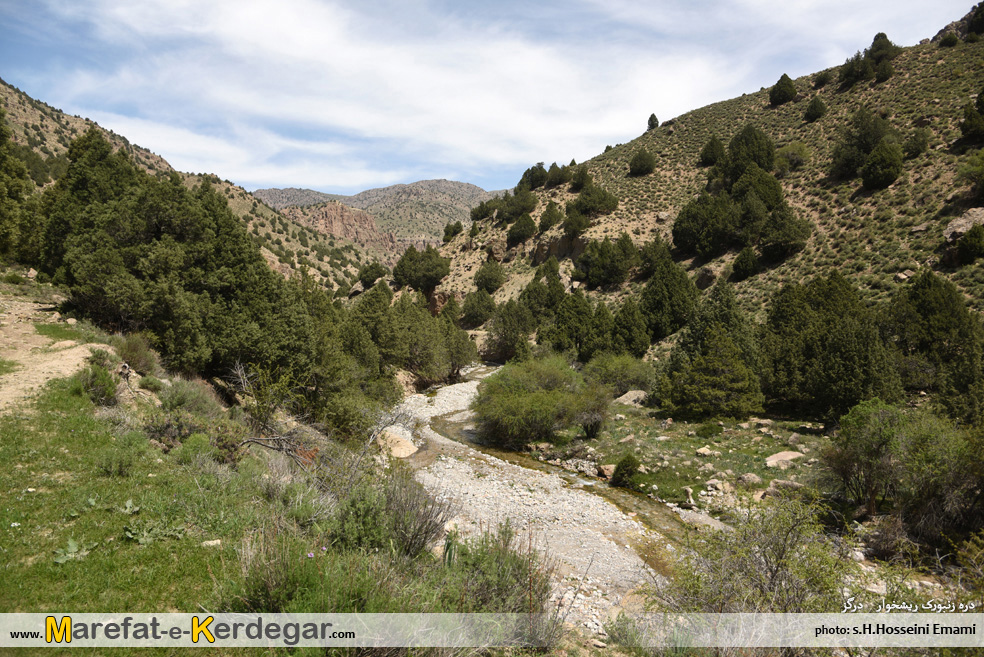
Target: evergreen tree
pixel 749 145
pixel 883 166
pixel 631 335
pixel 478 308
pixel 508 331
pixel 551 217
pixel 16 189
pixel 571 325
pixel 600 331
pixel 522 230
pixel 581 178
pixel 720 309
pixel 451 230
pixel 653 122
pixel 490 276
pixel 711 153
pixel 746 264
pixel 642 163
pixel 668 299
pixel 816 110
pixel 369 273
pixel 718 383
pixel 784 234
pixel 782 92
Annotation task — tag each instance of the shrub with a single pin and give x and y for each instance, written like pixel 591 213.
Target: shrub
pixel 417 518
pixel 917 143
pixel 98 385
pixel 369 273
pixel 194 448
pixel 508 332
pixel 949 40
pixel 711 153
pixel 883 71
pixel 642 163
pixel 490 276
pixel 745 265
pixel 970 247
pixel 195 397
pixel 522 230
pixel 782 92
pixel 883 166
pixel 525 402
pixel 791 157
pixel 709 430
pixel 477 308
pixel 626 470
pixel 815 110
pixel 619 372
pixel 822 79
pixel 973 172
pixel 452 230
pixel 151 383
pixel 422 271
pixel 116 461
pixel 551 217
pixel 593 201
pixel 135 351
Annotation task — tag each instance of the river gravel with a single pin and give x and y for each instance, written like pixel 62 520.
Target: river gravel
pixel 588 538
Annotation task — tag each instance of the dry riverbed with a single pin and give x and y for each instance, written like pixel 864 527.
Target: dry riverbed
pixel 594 545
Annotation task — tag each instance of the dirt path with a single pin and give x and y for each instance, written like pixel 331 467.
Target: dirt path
pixel 38 358
pixel 589 538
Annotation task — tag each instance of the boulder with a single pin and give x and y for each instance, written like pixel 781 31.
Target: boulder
pixel 632 398
pixel 704 451
pixel 750 479
pixel 782 460
pixel 705 278
pixel 390 442
pixel 959 226
pixel 606 471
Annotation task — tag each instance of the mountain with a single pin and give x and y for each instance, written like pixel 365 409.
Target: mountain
pixel 874 236
pixel 41 135
pixel 414 213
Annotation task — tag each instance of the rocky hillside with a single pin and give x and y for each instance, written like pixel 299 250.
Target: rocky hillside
pixel 47 132
pixel 876 236
pixel 42 135
pixel 357 226
pixel 415 213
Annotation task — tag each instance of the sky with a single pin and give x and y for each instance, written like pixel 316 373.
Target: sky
pixel 342 96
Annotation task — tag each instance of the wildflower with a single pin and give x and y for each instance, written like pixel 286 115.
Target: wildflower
pixel 324 549
pixel 310 555
pixel 15 524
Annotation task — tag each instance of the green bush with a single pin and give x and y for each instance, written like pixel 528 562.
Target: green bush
pixel 195 397
pixel 619 372
pixel 421 270
pixel 883 166
pixel 478 308
pixel 526 402
pixel 783 91
pixel 791 157
pixel 815 110
pixel 151 383
pixel 369 273
pixel 451 230
pixel 490 276
pixel 626 471
pixel 822 79
pixel 711 153
pixel 746 264
pixel 98 385
pixel 709 430
pixel 970 247
pixel 522 230
pixel 195 447
pixel 949 40
pixel 642 163
pixel 916 143
pixel 116 461
pixel 136 352
pixel 551 216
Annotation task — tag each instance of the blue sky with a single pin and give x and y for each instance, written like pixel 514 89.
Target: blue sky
pixel 345 96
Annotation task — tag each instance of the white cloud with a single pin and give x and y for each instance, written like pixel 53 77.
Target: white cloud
pixel 414 87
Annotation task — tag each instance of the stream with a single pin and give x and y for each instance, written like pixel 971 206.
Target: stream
pixel 606 544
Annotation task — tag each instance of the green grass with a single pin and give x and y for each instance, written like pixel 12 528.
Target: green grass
pixel 7 366
pixel 59 332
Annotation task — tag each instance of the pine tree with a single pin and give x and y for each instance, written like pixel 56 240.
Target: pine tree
pixel 717 383
pixel 815 110
pixel 711 153
pixel 783 91
pixel 631 335
pixel 653 122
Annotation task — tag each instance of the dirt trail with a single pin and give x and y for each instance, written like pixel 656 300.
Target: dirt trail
pixel 39 359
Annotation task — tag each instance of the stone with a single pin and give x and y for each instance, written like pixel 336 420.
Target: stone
pixel 606 471
pixel 704 451
pixel 750 479
pixel 32 273
pixel 921 228
pixel 718 485
pixel 643 469
pixel 394 444
pixel 744 425
pixel 618 417
pixel 959 226
pixel 781 457
pixel 628 439
pixel 214 543
pixel 632 398
pixel 71 321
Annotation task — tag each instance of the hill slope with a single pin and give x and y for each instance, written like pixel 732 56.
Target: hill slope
pixel 415 213
pixel 870 235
